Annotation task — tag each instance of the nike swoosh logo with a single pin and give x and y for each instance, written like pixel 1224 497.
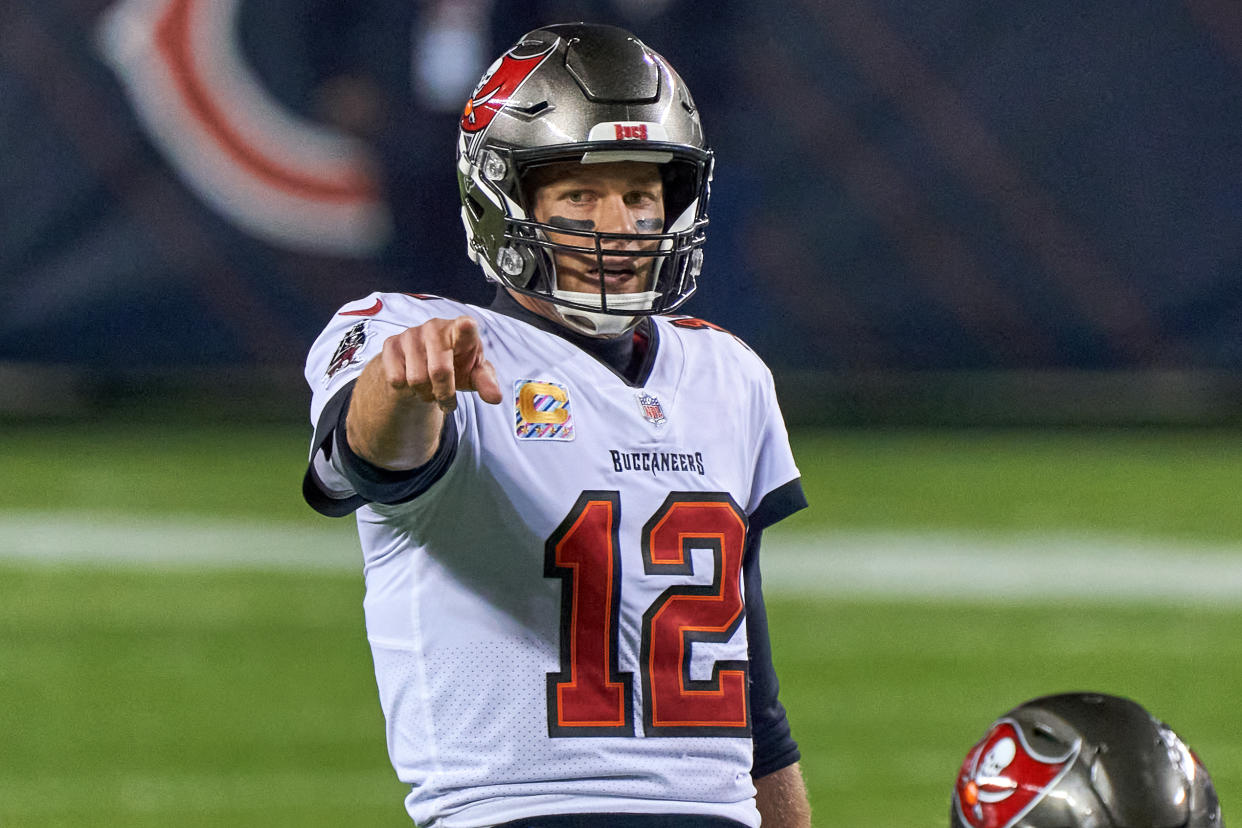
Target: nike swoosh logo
pixel 371 311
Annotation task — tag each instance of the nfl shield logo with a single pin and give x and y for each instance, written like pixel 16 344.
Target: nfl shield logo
pixel 653 412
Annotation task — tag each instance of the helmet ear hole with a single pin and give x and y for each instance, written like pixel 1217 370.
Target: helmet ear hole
pixel 474 206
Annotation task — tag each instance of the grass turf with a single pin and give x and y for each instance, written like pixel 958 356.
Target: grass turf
pixel 888 697
pixel 1177 482
pixel 136 698
pixel 141 698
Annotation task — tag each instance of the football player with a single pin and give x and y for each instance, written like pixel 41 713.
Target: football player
pixel 560 497
pixel 1082 760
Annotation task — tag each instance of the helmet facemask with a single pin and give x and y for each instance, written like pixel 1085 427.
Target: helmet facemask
pixel 526 261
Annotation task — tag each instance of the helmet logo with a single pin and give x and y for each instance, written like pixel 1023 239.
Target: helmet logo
pixel 499 83
pixel 1003 778
pixel 631 132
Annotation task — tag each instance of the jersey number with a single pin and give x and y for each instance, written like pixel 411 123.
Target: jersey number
pixel 590 696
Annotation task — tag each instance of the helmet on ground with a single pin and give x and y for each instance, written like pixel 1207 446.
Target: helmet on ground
pixel 588 94
pixel 1082 760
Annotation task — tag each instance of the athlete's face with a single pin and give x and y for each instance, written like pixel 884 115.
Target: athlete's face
pixel 617 197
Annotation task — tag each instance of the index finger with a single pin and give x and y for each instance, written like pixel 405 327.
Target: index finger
pixel 450 365
pixel 463 336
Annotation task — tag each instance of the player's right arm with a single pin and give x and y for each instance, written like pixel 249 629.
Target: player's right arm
pixel 402 396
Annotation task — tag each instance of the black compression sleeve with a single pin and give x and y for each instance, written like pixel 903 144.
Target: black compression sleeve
pixel 378 485
pixel 778 504
pixel 317 495
pixel 774 745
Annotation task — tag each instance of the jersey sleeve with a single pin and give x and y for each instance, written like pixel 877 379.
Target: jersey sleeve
pixel 776 492
pixel 374 484
pixel 337 481
pixel 325 488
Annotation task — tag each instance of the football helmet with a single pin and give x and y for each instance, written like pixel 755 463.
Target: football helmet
pixel 1082 760
pixel 588 94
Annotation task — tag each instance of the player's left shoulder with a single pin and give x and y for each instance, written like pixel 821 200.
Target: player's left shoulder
pixel 682 323
pixel 699 335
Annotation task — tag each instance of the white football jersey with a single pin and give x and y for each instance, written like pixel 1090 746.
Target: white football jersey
pixel 557 622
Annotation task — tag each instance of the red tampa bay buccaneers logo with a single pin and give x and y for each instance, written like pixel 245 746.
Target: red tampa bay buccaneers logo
pixel 1002 778
pixel 500 82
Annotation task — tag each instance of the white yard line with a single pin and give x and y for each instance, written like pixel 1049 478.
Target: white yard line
pixel 931 565
pixel 192 542
pixel 1007 567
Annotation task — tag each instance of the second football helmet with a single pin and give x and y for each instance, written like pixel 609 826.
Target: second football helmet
pixel 587 94
pixel 1082 760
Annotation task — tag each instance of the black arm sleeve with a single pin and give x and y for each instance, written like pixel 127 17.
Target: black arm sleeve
pixel 371 483
pixel 317 495
pixel 777 505
pixel 774 745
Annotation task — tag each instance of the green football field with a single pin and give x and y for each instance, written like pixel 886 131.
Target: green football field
pixel 181 640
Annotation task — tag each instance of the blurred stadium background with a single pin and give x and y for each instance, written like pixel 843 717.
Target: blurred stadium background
pixel 991 251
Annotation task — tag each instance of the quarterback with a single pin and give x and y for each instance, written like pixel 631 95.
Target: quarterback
pixel 560 496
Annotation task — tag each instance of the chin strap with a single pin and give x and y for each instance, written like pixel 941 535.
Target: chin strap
pixel 597 323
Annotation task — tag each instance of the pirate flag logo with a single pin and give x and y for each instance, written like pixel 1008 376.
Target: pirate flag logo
pixel 348 351
pixel 1003 778
pixel 499 83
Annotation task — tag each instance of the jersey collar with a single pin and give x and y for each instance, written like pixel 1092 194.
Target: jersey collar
pixel 617 353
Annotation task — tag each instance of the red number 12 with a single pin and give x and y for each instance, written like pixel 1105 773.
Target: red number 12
pixel 590 696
